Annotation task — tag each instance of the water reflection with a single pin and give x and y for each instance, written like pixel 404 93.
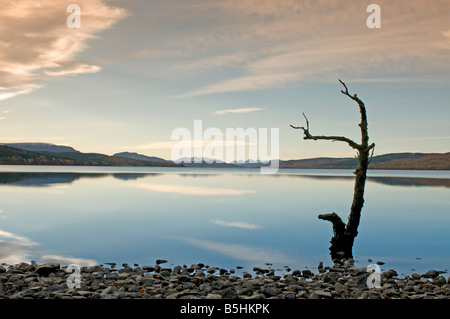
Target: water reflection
pixel 16 249
pixel 133 217
pixel 241 252
pixel 47 179
pixel 393 181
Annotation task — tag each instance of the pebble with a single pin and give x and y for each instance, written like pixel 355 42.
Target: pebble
pixel 200 281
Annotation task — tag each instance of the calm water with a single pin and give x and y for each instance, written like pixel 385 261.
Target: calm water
pixel 224 218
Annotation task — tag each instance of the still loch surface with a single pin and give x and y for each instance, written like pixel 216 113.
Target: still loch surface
pixel 220 217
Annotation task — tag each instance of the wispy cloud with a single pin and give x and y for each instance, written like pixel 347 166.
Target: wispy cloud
pixel 245 83
pixel 35 41
pixel 75 69
pixel 319 41
pixel 242 225
pixel 238 111
pixel 195 190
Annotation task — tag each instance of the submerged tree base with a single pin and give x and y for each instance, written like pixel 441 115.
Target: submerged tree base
pixel 341 242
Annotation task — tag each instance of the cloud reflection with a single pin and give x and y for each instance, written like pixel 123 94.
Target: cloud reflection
pixel 70 260
pixel 243 225
pixel 241 252
pixel 195 190
pixel 15 249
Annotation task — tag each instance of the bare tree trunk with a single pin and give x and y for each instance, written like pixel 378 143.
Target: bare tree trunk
pixel 344 234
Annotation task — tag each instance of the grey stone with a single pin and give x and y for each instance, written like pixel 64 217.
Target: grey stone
pixel 431 274
pixel 355 271
pixel 148 268
pixel 165 273
pixel 296 272
pixel 390 273
pixel 323 294
pixel 108 290
pixel 299 288
pixel 271 291
pixel 439 281
pixel 95 285
pixel 176 270
pixel 229 293
pixel 313 295
pixel 331 277
pixel 416 276
pixel 47 268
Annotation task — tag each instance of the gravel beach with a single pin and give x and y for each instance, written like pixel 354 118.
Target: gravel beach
pixel 199 281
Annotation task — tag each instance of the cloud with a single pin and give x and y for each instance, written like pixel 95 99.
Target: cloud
pixel 295 41
pixel 75 69
pixel 218 62
pixel 238 111
pixel 445 44
pixel 195 190
pixel 242 225
pixel 245 83
pixel 20 89
pixel 35 42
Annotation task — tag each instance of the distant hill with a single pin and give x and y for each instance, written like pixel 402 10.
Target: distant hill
pixel 41 147
pixel 422 161
pixel 251 164
pixel 205 162
pixel 411 161
pixel 140 157
pixel 15 156
pixel 50 154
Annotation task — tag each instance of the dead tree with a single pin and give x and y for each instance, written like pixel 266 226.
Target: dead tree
pixel 344 234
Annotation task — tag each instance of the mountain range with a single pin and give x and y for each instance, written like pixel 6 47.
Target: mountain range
pixel 50 154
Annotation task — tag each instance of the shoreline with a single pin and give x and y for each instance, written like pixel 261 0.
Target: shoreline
pixel 200 281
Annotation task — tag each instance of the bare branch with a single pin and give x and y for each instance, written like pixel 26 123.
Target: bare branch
pixel 372 146
pixel 308 136
pixel 335 138
pixel 345 86
pixel 302 127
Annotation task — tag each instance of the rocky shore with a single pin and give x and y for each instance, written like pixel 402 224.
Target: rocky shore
pixel 199 281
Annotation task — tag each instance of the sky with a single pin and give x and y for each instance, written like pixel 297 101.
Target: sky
pixel 135 71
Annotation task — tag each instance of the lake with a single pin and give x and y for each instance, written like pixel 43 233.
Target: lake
pixel 220 217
